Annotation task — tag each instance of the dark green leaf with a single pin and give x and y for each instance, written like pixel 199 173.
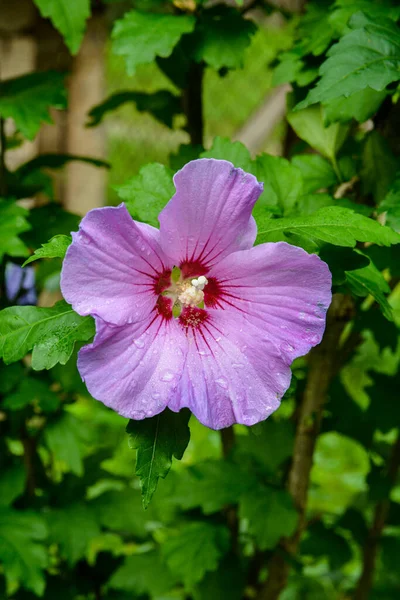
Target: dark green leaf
pixel 185 153
pixel 56 161
pixel 235 152
pixel 157 440
pixel 384 408
pixel 54 248
pixel 335 225
pixel 361 106
pixel 23 556
pixel 62 437
pixel 368 56
pixel 139 37
pixel 163 105
pixel 270 515
pixel 48 221
pixel 27 99
pixel 340 260
pixel 379 166
pixel 228 581
pixel 32 391
pixel 369 280
pixel 270 446
pixel 146 194
pixel 143 573
pixel 196 549
pixel 12 223
pixel 322 541
pixel 51 332
pixel 316 171
pixel 283 183
pixel 69 17
pixel 12 484
pixel 385 335
pixel 391 204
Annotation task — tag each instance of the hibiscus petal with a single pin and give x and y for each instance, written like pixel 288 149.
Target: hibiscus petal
pixel 210 214
pixel 233 373
pixel 112 266
pixel 284 290
pixel 134 369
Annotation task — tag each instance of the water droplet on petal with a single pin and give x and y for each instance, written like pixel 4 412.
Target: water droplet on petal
pixel 139 343
pixel 237 365
pixel 286 347
pixel 222 382
pixel 156 395
pixel 167 376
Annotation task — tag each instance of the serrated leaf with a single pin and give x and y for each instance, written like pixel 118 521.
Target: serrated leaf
pixel 368 56
pixel 369 280
pixel 195 549
pixel 270 515
pixel 283 183
pixel 140 37
pixel 122 511
pixel 222 36
pixel 12 484
pixel 50 332
pixel 12 222
pixel 316 171
pixel 54 248
pixel 157 440
pixel 69 17
pixel 27 100
pixel 235 152
pixel 21 551
pixel 309 126
pixel 62 437
pixel 376 9
pixel 146 194
pixel 163 105
pixel 361 106
pixel 144 573
pixel 72 528
pixel 334 225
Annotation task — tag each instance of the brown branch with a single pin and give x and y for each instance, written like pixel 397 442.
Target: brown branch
pixel 29 445
pixel 324 362
pixel 371 545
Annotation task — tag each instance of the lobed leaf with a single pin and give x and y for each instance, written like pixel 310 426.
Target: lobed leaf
pixel 54 248
pixel 68 17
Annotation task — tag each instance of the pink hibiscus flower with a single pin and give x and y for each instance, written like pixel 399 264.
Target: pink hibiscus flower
pixel 192 315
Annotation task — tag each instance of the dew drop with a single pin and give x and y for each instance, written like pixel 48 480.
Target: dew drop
pixel 167 376
pixel 139 343
pixel 156 395
pixel 286 347
pixel 237 365
pixel 222 382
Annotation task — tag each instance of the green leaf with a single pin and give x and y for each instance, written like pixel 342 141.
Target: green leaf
pixel 23 556
pixel 309 126
pixel 269 447
pixel 361 106
pixel 122 511
pixel 184 154
pixel 157 440
pixel 27 100
pixel 316 171
pixel 373 320
pixel 54 248
pixel 270 515
pixel 228 581
pixel 56 161
pixel 369 280
pixel 196 549
pixel 62 437
pixel 322 541
pixel 51 332
pixel 235 152
pixel 340 260
pixel 391 204
pixel 222 37
pixel 283 183
pixel 32 391
pixel 368 56
pixel 144 573
pixel 73 528
pixel 69 17
pixel 48 221
pixel 12 484
pixel 12 223
pixel 139 37
pixel 334 225
pixel 345 9
pixel 379 166
pixel 163 105
pixel 146 194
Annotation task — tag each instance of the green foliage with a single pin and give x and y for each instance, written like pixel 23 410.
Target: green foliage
pixel 144 573
pixel 139 37
pixel 12 223
pixel 69 17
pixel 62 438
pixel 391 205
pixel 50 332
pixel 27 100
pixel 368 56
pixel 157 440
pixel 370 281
pixel 146 194
pixel 54 248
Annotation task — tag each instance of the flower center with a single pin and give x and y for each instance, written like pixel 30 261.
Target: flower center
pixel 185 292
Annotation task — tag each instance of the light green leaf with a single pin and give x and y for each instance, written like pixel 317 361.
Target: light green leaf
pixel 309 126
pixel 12 223
pixel 270 515
pixel 376 9
pixel 62 436
pixel 27 100
pixel 196 549
pixel 146 194
pixel 391 204
pixel 51 332
pixel 335 225
pixel 157 440
pixel 23 556
pixel 235 152
pixel 361 106
pixel 73 527
pixel 379 166
pixel 283 183
pixel 316 171
pixel 222 37
pixel 12 484
pixel 144 573
pixel 54 248
pixel 368 56
pixel 370 281
pixel 139 37
pixel 69 17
